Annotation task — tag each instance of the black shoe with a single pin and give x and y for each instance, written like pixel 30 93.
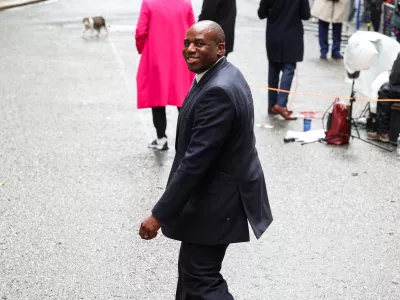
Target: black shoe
pixel 337 56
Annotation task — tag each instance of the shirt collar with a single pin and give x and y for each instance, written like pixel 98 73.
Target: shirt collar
pixel 200 76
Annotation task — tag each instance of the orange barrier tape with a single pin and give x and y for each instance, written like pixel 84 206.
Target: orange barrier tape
pixel 322 95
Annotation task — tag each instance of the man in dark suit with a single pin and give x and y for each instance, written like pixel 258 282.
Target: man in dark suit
pixel 222 12
pixel 216 182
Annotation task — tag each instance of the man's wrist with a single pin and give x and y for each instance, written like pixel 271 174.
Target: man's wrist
pixel 156 212
pixel 156 219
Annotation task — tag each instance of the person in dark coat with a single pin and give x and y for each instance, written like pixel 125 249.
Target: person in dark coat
pixel 222 12
pixel 216 185
pixel 390 90
pixel 285 47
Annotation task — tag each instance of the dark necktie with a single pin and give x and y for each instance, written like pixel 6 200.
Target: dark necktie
pixel 194 83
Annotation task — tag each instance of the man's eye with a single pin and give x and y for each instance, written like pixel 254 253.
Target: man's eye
pixel 199 44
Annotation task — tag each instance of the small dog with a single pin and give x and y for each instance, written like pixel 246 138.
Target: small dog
pixel 94 24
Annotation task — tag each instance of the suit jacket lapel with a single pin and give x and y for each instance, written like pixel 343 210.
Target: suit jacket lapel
pixel 193 92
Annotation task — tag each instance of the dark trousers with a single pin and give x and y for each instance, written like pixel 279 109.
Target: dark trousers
pixel 199 275
pixel 323 29
pixel 376 12
pixel 274 70
pixel 383 116
pixel 160 120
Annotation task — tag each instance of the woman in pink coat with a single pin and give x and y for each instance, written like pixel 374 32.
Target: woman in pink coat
pixel 163 77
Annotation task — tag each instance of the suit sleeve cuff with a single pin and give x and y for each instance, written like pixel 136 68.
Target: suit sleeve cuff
pixel 157 215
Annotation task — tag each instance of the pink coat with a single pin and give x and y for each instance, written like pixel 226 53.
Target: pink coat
pixel 163 77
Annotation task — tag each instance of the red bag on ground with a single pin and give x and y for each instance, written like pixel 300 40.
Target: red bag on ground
pixel 339 130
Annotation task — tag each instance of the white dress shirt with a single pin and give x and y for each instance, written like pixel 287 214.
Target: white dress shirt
pixel 200 76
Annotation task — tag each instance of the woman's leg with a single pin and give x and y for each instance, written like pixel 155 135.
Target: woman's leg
pixel 160 121
pixel 337 39
pixel 323 29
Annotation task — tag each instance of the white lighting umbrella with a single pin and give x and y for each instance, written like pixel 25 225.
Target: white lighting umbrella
pixel 373 54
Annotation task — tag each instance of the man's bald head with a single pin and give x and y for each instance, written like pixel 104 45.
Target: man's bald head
pixel 204 45
pixel 212 27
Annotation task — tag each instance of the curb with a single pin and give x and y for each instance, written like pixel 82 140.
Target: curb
pixel 12 4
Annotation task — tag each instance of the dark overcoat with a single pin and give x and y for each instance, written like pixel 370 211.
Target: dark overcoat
pixel 222 12
pixel 285 32
pixel 216 184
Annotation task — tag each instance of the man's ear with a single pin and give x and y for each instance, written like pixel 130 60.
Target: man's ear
pixel 221 49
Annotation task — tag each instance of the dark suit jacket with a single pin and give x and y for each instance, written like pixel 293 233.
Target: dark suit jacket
pixel 285 33
pixel 216 181
pixel 222 12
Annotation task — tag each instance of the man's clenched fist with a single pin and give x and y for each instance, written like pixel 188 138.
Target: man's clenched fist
pixel 149 228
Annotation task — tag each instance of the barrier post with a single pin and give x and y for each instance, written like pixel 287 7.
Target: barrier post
pixel 358 22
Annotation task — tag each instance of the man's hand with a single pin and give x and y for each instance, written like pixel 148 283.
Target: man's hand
pixel 149 228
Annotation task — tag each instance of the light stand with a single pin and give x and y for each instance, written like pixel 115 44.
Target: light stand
pixel 350 115
pixel 351 121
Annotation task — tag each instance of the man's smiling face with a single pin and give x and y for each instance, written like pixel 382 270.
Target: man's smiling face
pixel 202 48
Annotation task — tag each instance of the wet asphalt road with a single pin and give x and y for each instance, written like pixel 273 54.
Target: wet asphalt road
pixel 76 177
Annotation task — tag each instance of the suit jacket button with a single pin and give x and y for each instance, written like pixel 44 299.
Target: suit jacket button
pixel 227 219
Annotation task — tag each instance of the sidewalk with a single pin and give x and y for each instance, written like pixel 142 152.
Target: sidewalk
pixel 4 4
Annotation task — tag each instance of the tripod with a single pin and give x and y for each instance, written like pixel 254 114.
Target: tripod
pixel 350 120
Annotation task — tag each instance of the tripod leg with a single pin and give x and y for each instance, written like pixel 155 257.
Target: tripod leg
pixel 356 126
pixel 368 142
